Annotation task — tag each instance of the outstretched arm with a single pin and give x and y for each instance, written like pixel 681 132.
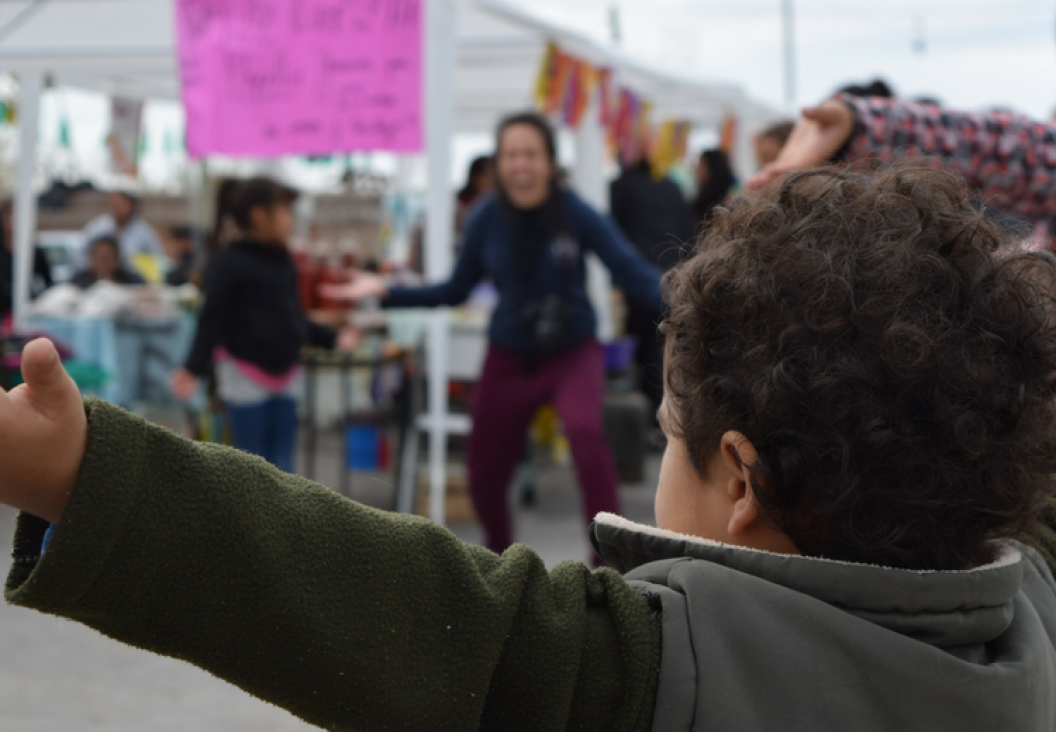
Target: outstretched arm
pixel 350 618
pixel 469 269
pixel 631 272
pixel 1006 158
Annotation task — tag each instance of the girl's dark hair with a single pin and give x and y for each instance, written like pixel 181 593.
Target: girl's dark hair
pixel 222 218
pixel 535 121
pixel 890 356
pixel 720 181
pixel 260 192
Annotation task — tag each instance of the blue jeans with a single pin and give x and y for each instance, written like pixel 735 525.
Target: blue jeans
pixel 268 429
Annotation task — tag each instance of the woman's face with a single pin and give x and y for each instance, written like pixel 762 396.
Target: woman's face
pixel 272 225
pixel 524 166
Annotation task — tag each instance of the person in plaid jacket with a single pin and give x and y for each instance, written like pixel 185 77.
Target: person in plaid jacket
pixel 1007 160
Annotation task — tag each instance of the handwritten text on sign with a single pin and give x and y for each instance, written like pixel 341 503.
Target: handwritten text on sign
pixel 276 77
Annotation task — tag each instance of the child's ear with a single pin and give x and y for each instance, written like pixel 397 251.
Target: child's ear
pixel 738 455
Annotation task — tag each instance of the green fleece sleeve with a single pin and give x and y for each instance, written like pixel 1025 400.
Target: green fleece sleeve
pixel 349 617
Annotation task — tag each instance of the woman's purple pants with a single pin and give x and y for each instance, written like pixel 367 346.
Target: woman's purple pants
pixel 509 392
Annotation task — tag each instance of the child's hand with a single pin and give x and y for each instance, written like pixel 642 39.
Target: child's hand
pixel 183 384
pixel 816 138
pixel 43 435
pixel 349 338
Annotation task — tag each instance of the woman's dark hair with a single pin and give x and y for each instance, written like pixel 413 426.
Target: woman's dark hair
pixel 477 168
pixel 535 121
pixel 720 181
pixel 889 355
pixel 258 192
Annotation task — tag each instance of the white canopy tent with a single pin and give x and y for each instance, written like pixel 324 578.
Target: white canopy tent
pixel 482 57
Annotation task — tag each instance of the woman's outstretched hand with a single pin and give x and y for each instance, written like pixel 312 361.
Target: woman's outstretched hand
pixel 361 286
pixel 816 138
pixel 43 435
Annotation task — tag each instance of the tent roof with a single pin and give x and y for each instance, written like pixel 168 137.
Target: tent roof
pixel 126 47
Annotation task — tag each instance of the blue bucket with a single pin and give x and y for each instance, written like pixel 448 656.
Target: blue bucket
pixel 362 443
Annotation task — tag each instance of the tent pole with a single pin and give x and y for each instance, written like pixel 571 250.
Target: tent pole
pixel 401 244
pixel 588 177
pixel 440 47
pixel 25 223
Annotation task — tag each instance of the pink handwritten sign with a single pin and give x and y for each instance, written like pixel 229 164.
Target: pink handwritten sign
pixel 312 77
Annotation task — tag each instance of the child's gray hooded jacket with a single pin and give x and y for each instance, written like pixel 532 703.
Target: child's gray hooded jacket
pixel 760 641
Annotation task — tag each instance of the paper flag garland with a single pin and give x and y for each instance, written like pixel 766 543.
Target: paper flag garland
pixel 568 85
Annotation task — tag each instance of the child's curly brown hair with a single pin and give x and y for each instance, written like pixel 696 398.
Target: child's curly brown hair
pixel 890 356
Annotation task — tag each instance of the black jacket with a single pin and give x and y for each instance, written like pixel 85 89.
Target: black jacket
pixel 492 248
pixel 252 309
pixel 653 215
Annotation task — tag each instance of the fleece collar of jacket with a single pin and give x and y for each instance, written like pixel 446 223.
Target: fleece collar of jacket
pixel 943 608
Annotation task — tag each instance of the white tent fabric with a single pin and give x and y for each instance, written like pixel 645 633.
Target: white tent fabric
pixel 482 57
pixel 126 47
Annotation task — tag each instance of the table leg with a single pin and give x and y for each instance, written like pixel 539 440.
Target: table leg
pixel 346 409
pixel 310 429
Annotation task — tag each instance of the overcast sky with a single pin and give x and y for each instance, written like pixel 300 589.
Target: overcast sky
pixel 968 53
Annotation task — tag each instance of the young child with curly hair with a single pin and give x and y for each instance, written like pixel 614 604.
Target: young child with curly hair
pixel 861 410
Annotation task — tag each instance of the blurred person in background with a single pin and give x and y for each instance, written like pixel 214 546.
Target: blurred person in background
pixel 655 218
pixel 123 221
pixel 531 240
pixel 106 265
pixel 715 181
pixel 769 142
pixel 182 252
pixel 1004 158
pixel 480 181
pixel 41 278
pixel 252 327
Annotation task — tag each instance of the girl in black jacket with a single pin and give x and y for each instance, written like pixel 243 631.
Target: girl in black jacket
pixel 251 327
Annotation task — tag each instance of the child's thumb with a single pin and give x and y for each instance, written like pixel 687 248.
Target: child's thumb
pixel 43 372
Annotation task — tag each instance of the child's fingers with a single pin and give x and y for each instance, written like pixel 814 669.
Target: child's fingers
pixel 40 363
pixel 764 176
pixel 43 373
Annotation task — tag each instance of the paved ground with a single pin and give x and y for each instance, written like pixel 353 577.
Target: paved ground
pixel 57 676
